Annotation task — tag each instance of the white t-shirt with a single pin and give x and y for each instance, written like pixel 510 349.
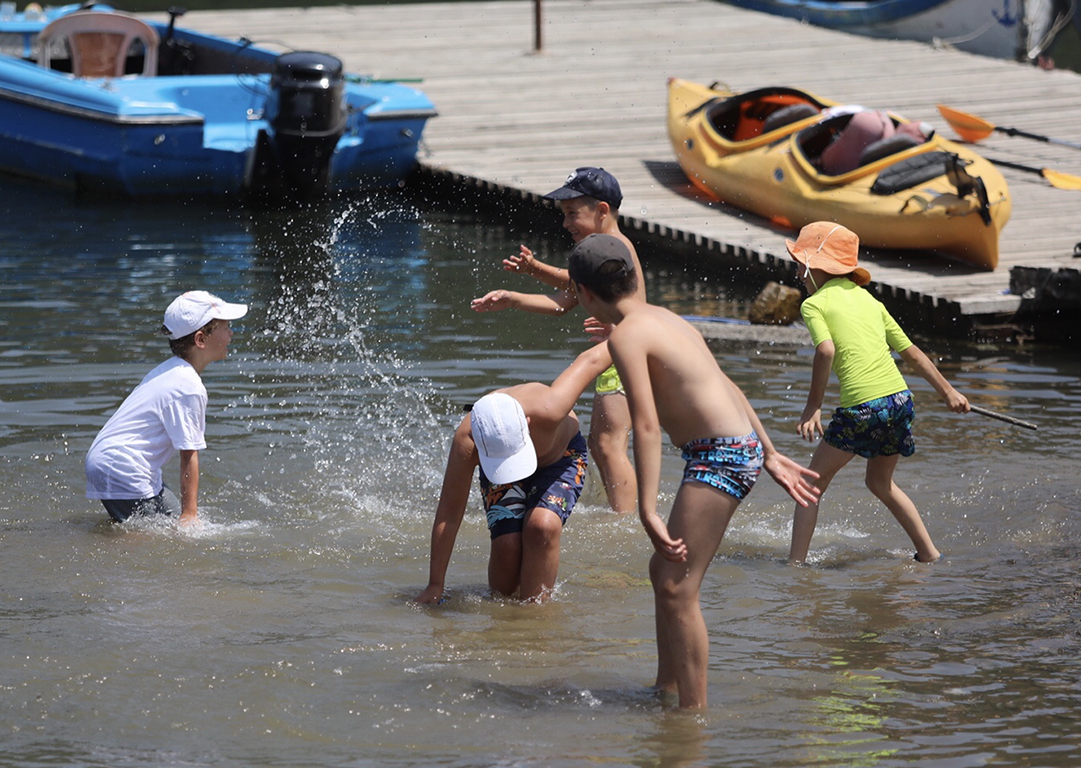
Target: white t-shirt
pixel 166 413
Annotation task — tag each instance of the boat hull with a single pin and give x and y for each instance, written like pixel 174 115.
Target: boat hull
pixel 1005 29
pixel 770 175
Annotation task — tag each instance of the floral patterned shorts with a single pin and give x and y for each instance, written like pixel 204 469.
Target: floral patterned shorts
pixel 879 427
pixel 555 487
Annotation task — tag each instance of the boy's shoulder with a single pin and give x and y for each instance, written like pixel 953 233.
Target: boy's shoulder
pixel 649 324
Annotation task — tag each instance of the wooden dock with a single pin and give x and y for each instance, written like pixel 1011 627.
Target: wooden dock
pixel 517 120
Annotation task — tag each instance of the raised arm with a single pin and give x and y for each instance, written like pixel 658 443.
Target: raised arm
pixel 450 510
pixel 576 377
pixel 543 304
pixel 527 264
pixel 954 400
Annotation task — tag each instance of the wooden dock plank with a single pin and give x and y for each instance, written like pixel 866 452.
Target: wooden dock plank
pixel 516 119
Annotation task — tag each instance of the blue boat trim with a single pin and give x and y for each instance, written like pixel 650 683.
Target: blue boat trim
pixel 841 13
pixel 95 115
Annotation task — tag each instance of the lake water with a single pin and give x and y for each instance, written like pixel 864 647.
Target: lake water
pixel 281 633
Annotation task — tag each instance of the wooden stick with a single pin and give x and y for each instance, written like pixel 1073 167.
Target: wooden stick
pixel 1002 417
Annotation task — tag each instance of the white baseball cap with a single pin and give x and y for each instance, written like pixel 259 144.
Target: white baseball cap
pixel 501 433
pixel 192 310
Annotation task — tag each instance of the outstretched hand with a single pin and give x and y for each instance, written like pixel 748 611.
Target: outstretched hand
pixel 668 548
pixel 492 301
pixel 522 262
pixel 596 330
pixel 793 478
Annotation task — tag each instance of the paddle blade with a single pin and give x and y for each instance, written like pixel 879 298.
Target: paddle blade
pixel 1061 180
pixel 968 127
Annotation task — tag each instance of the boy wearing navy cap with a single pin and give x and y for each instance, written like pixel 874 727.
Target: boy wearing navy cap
pixel 166 413
pixel 589 200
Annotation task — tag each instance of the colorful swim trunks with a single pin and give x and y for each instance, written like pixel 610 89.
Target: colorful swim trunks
pixel 608 383
pixel 879 427
pixel 555 487
pixel 730 464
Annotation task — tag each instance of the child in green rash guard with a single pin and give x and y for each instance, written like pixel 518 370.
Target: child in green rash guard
pixel 853 335
pixel 589 200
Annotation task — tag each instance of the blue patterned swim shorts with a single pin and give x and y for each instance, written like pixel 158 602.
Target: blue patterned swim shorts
pixel 879 427
pixel 730 464
pixel 555 487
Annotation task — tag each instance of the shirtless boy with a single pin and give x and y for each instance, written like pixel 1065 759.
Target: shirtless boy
pixel 532 462
pixel 674 384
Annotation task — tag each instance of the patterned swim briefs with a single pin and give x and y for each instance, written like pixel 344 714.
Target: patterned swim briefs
pixel 730 464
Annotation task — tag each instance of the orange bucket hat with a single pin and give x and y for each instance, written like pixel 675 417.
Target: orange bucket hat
pixel 831 248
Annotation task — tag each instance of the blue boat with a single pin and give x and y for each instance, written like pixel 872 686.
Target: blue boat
pixel 105 102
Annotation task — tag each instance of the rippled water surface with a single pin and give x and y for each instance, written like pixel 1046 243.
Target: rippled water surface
pixel 280 634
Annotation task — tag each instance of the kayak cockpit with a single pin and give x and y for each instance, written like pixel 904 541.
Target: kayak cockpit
pixel 769 113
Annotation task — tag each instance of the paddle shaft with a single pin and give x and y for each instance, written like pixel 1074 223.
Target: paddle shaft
pixel 1055 178
pixel 1036 136
pixel 1002 417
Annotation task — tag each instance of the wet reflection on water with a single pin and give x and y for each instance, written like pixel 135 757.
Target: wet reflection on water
pixel 281 634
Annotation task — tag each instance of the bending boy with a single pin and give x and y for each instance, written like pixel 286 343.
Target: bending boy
pixel 853 335
pixel 166 413
pixel 589 200
pixel 674 384
pixel 532 462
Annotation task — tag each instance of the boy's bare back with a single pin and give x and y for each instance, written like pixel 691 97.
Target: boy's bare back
pixel 662 358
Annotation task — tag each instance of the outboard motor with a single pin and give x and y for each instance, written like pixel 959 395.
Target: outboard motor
pixel 306 115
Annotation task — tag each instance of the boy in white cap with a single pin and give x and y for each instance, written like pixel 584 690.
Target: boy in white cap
pixel 853 334
pixel 166 413
pixel 675 386
pixel 532 462
pixel 589 201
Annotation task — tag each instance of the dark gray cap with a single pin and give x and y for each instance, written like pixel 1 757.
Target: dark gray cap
pixel 592 253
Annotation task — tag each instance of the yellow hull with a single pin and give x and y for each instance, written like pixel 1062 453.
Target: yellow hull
pixel 772 174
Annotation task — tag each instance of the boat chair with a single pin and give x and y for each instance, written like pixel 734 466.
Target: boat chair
pixel 100 42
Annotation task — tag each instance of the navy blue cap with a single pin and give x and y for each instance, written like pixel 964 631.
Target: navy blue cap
pixel 594 182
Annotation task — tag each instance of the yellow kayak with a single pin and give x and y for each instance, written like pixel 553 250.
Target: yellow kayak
pixel 764 151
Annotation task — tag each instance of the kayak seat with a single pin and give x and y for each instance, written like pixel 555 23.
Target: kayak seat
pixel 815 138
pixel 724 117
pixel 788 115
pixel 100 43
pixel 899 142
pixel 743 117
